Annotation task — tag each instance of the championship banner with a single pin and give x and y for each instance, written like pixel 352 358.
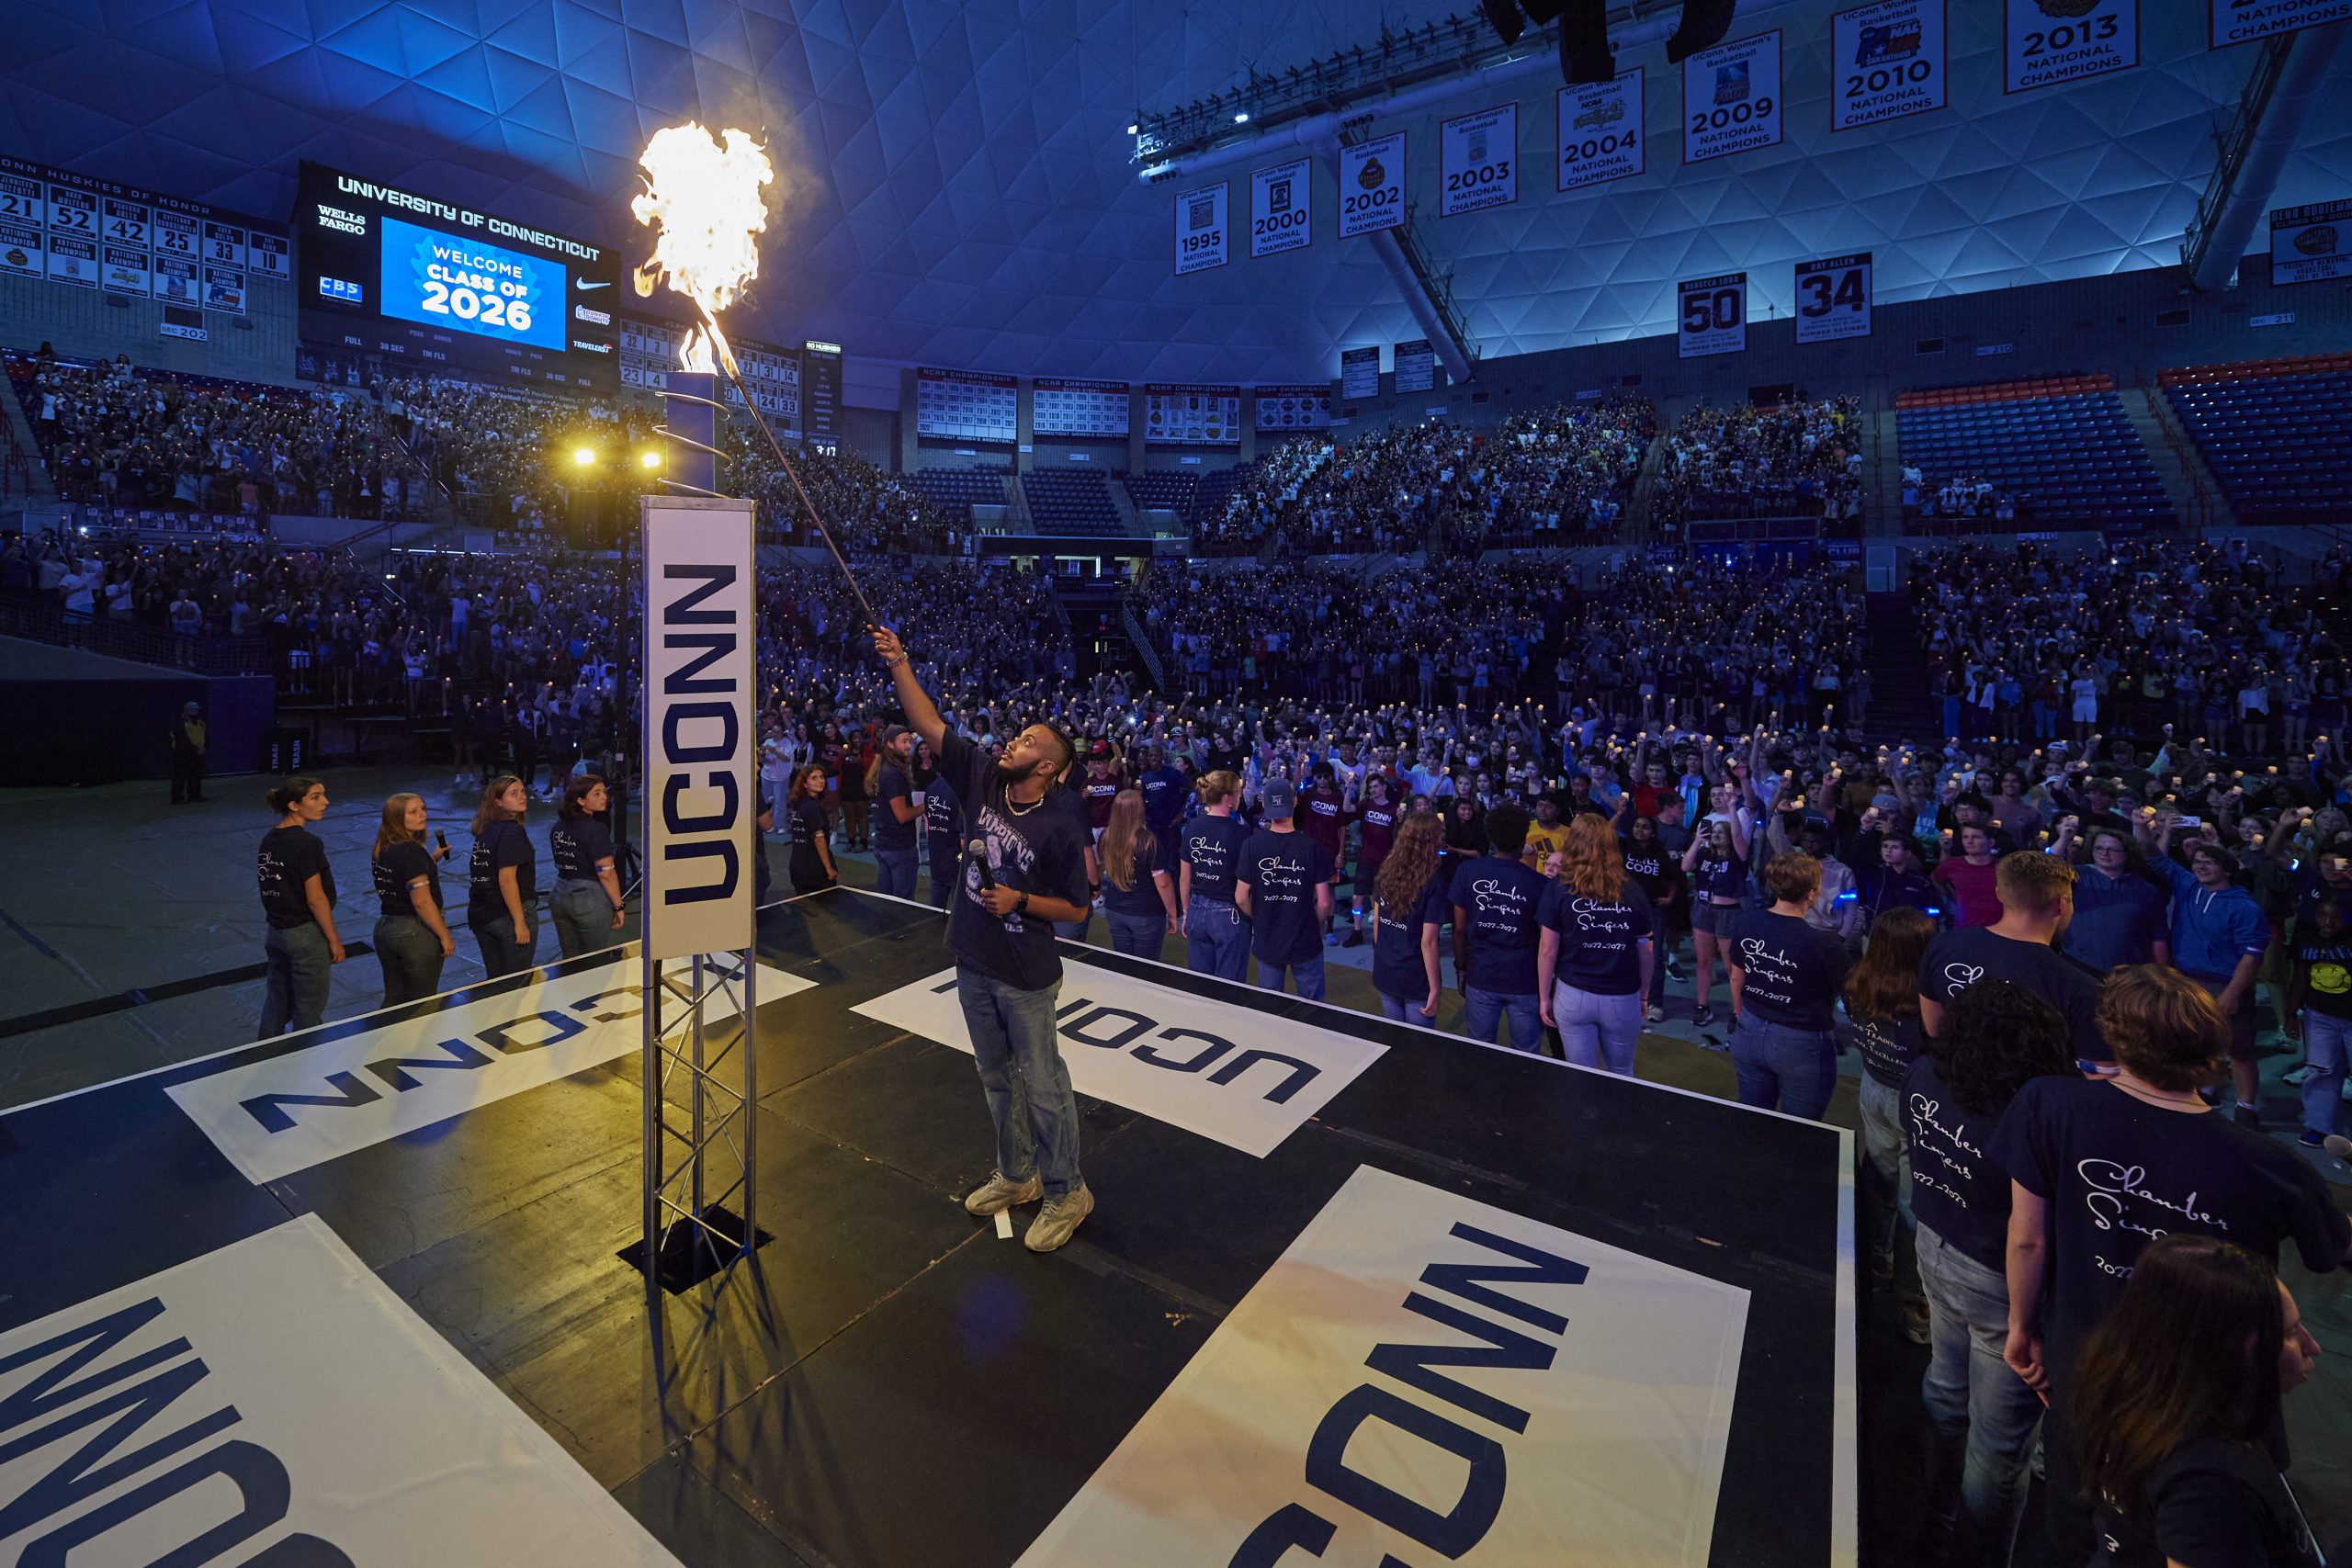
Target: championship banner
pixel 122 269
pixel 275 1402
pixel 1414 364
pixel 1477 157
pixel 1887 60
pixel 73 260
pixel 1711 315
pixel 1601 131
pixel 1184 414
pixel 22 250
pixel 1282 410
pixel 1360 373
pixel 966 405
pixel 1731 98
pixel 2242 21
pixel 177 281
pixel 1201 239
pixel 1372 186
pixel 2050 41
pixel 700 745
pixel 224 289
pixel 1424 1378
pixel 1078 408
pixel 1834 298
pixel 2313 244
pixel 1281 208
pixel 1228 1073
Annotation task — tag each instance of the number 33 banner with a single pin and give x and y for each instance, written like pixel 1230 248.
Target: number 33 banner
pixel 1731 98
pixel 1711 315
pixel 1479 156
pixel 1834 298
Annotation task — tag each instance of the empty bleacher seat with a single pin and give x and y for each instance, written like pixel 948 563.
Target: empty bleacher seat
pixel 2062 445
pixel 2277 433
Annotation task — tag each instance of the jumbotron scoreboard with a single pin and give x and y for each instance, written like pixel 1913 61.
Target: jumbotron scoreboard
pixel 414 277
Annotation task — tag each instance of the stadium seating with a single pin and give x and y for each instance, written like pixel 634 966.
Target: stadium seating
pixel 2060 448
pixel 1070 501
pixel 957 491
pixel 1162 489
pixel 2277 433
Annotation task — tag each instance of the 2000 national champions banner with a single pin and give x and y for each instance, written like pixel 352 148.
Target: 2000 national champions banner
pixel 90 233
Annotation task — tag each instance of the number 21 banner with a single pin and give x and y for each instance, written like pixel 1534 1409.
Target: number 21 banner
pixel 1711 315
pixel 1731 98
pixel 1834 298
pixel 2050 41
pixel 1478 157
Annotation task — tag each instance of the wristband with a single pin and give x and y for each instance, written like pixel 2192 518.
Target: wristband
pixel 1022 905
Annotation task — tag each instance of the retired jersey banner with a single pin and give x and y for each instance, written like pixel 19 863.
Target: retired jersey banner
pixel 1834 298
pixel 1601 131
pixel 1477 157
pixel 1888 61
pixel 1731 98
pixel 1711 315
pixel 23 199
pixel 123 222
pixel 73 211
pixel 2050 41
pixel 1372 186
pixel 1201 229
pixel 177 234
pixel 1281 208
pixel 2313 244
pixel 267 257
pixel 224 244
pixel 2242 21
pixel 1424 1378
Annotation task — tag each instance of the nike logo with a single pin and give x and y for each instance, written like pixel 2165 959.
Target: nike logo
pixel 583 283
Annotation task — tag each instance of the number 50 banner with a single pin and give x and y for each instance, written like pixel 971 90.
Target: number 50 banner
pixel 1711 315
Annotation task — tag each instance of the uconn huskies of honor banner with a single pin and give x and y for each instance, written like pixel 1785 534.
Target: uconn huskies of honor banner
pixel 1731 98
pixel 2311 245
pixel 275 1402
pixel 2241 21
pixel 1834 298
pixel 1200 229
pixel 1711 315
pixel 699 793
pixel 1421 1378
pixel 2050 41
pixel 1372 186
pixel 1601 131
pixel 1887 60
pixel 1280 209
pixel 1477 156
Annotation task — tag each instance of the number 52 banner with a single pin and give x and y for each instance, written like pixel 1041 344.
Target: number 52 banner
pixel 1711 315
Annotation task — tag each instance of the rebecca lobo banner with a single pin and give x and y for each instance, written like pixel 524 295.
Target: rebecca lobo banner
pixel 1201 229
pixel 2311 245
pixel 1477 157
pixel 1238 1076
pixel 2050 41
pixel 1834 298
pixel 700 785
pixel 2242 21
pixel 1711 315
pixel 1886 60
pixel 1372 186
pixel 1601 132
pixel 290 1112
pixel 1421 1378
pixel 275 1402
pixel 1281 208
pixel 1731 98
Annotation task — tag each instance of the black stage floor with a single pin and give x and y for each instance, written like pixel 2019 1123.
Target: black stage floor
pixel 894 1385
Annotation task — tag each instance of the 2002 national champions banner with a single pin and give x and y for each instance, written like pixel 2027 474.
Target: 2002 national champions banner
pixel 90 233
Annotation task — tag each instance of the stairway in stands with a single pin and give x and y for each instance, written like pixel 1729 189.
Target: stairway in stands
pixel 1901 704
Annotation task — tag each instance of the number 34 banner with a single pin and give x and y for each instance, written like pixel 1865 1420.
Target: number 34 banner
pixel 1711 315
pixel 1834 298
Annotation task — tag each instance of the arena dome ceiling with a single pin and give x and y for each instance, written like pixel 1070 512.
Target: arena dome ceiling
pixel 963 189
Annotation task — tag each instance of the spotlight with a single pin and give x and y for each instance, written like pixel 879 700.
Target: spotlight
pixel 1241 116
pixel 1131 131
pixel 648 459
pixel 584 456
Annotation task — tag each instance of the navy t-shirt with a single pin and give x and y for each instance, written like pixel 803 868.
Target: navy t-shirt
pixel 1499 902
pixel 2117 920
pixel 942 809
pixel 1789 972
pixel 1396 968
pixel 501 844
pixel 1717 876
pixel 1212 847
pixel 1163 798
pixel 1282 872
pixel 399 865
pixel 1965 955
pixel 889 833
pixel 1143 897
pixel 1038 848
pixel 290 857
pixel 577 844
pixel 1600 941
pixel 1957 1188
pixel 1888 1045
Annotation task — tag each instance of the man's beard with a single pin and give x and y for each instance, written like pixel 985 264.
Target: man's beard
pixel 1010 771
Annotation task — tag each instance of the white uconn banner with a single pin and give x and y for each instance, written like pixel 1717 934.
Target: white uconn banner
pixel 1243 1078
pixel 274 1403
pixel 1422 1378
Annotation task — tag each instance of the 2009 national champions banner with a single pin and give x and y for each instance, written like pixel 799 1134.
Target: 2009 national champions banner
pixel 83 232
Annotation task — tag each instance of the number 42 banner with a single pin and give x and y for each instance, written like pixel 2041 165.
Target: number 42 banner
pixel 1711 315
pixel 1834 298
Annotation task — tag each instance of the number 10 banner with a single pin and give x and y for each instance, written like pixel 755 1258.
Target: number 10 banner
pixel 1478 158
pixel 1834 298
pixel 1711 315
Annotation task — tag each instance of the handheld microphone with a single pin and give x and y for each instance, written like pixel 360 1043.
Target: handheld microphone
pixel 979 850
pixel 2339 1146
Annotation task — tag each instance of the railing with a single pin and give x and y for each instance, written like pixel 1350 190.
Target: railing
pixel 39 622
pixel 1144 650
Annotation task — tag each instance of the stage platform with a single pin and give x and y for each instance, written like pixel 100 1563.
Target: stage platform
pixel 1354 1292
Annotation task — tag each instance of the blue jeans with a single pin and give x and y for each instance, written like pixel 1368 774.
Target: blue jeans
pixel 1598 1031
pixel 894 872
pixel 411 958
pixel 1882 1107
pixel 946 870
pixel 1139 934
pixel 1074 930
pixel 1404 1011
pixel 1306 974
pixel 1971 1393
pixel 1216 940
pixel 583 917
pixel 1792 1070
pixel 1018 1051
pixel 1489 1008
pixel 300 964
pixel 494 931
pixel 1951 716
pixel 2325 1041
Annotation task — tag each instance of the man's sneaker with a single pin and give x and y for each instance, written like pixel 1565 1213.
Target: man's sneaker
pixel 1355 939
pixel 1654 1015
pixel 2312 1138
pixel 2246 1116
pixel 1331 939
pixel 1703 1017
pixel 1059 1218
pixel 998 1193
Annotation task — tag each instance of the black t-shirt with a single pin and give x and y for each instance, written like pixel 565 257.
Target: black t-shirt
pixel 501 843
pixel 889 833
pixel 1212 847
pixel 1660 875
pixel 942 811
pixel 1888 1045
pixel 1396 969
pixel 1790 973
pixel 1599 942
pixel 1142 895
pixel 2118 1172
pixel 399 865
pixel 290 857
pixel 1500 899
pixel 2327 982
pixel 1960 957
pixel 809 830
pixel 1957 1187
pixel 2215 1504
pixel 1282 872
pixel 1163 798
pixel 1038 848
pixel 578 843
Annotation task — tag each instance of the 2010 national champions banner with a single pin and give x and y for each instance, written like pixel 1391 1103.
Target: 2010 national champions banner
pixel 83 232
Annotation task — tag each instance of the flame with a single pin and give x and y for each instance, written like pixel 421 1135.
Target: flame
pixel 703 199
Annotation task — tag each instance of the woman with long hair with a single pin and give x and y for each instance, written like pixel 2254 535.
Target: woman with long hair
pixel 587 904
pixel 1593 954
pixel 2177 1399
pixel 1883 1018
pixel 1138 898
pixel 411 934
pixel 812 856
pixel 1996 1038
pixel 1215 940
pixel 1659 876
pixel 298 903
pixel 501 903
pixel 1410 902
pixel 1716 863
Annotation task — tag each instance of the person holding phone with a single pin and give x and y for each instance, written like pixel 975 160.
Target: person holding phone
pixel 412 933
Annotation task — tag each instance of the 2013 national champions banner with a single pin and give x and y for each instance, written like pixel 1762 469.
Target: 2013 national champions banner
pixel 82 232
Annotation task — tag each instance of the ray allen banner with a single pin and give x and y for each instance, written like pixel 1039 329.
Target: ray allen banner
pixel 274 1403
pixel 1421 1378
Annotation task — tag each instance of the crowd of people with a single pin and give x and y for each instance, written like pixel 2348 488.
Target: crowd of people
pixel 1802 458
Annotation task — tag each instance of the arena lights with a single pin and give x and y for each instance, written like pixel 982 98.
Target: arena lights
pixel 584 456
pixel 648 459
